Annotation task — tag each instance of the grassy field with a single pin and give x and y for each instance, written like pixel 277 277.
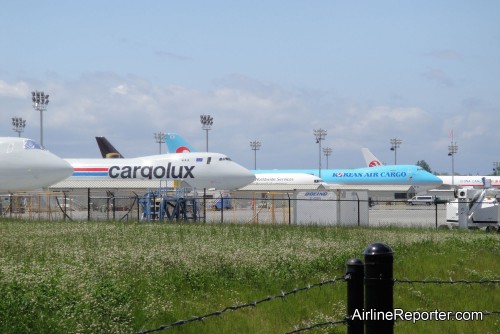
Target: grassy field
pixel 60 277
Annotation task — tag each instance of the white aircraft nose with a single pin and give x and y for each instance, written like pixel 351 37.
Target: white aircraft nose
pixel 50 169
pixel 239 178
pixel 247 178
pixel 57 169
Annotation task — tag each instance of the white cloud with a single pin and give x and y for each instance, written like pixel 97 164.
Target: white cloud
pixel 18 90
pixel 120 89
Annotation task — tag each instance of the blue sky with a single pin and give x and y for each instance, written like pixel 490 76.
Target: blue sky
pixel 366 71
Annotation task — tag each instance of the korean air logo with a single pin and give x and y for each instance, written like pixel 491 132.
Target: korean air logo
pixel 182 149
pixel 340 174
pixel 374 163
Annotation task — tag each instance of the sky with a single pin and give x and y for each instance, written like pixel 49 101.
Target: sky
pixel 269 71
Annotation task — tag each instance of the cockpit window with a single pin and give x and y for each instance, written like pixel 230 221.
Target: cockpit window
pixel 224 158
pixel 32 145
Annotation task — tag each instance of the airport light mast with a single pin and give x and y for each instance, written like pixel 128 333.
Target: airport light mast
pixel 320 135
pixel 206 124
pixel 160 138
pixel 40 102
pixel 255 145
pixel 452 150
pixel 327 151
pixel 395 142
pixel 18 125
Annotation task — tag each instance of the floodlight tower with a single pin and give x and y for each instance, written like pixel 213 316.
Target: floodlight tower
pixel 206 124
pixel 18 125
pixel 320 135
pixel 452 150
pixel 395 142
pixel 327 151
pixel 255 145
pixel 160 138
pixel 40 102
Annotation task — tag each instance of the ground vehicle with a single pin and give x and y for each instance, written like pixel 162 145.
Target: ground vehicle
pixel 427 200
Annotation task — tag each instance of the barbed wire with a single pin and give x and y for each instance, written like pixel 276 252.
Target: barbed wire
pixel 491 312
pixel 322 324
pixel 397 280
pixel 282 295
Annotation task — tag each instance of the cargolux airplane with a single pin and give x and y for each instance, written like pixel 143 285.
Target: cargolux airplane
pixel 412 175
pixel 200 170
pixel 25 165
pixel 458 180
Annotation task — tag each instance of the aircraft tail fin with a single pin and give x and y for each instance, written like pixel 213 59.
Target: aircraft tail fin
pixel 107 150
pixel 177 144
pixel 370 159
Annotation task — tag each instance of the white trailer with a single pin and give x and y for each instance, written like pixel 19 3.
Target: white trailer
pixel 474 208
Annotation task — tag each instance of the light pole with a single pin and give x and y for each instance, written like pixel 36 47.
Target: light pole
pixel 452 150
pixel 206 124
pixel 160 138
pixel 255 145
pixel 40 101
pixel 395 142
pixel 320 135
pixel 327 151
pixel 18 125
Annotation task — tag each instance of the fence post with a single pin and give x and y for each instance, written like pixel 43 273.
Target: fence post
pixel 88 204
pixel 138 207
pixel 379 284
pixel 355 295
pixel 221 209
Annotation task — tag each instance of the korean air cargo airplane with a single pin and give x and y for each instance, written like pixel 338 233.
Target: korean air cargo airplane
pixel 25 165
pixel 411 175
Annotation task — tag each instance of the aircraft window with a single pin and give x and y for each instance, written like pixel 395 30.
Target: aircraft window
pixel 224 159
pixel 209 159
pixel 32 145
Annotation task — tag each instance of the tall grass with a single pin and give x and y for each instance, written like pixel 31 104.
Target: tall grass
pixel 58 277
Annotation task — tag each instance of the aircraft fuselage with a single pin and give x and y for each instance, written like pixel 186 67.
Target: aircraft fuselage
pixel 200 170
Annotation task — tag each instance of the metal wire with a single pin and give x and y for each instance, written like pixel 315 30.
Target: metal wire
pixel 282 295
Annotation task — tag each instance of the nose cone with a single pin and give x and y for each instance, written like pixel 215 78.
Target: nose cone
pixel 426 181
pixel 32 169
pixel 43 169
pixel 53 169
pixel 430 179
pixel 238 178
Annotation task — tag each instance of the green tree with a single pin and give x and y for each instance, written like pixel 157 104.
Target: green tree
pixel 424 165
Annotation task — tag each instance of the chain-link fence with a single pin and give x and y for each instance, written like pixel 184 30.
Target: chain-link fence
pixel 270 207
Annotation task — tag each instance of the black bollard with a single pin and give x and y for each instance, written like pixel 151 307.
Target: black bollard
pixel 355 295
pixel 379 286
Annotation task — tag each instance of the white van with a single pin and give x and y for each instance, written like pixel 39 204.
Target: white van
pixel 427 200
